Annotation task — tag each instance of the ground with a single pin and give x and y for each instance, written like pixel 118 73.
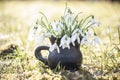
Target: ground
pixel 17 60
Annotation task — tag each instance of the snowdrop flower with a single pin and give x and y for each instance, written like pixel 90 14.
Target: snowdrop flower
pixel 65 42
pixel 67 10
pixel 31 35
pixel 57 27
pixel 34 30
pixel 96 41
pixel 53 47
pixel 78 31
pixel 96 23
pixel 86 38
pixel 69 20
pixel 76 36
pixel 93 23
pixel 39 37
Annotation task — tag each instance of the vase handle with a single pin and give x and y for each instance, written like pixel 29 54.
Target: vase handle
pixel 38 54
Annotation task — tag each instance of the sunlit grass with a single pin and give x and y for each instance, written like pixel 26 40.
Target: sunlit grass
pixel 16 18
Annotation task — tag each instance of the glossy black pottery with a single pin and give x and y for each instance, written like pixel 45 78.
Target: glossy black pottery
pixel 69 59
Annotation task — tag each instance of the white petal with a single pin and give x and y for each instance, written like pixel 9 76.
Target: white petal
pixel 57 28
pixel 53 47
pixel 83 41
pixel 39 38
pixel 31 35
pixel 73 38
pixel 63 46
pixel 93 23
pixel 68 46
pixel 65 42
pixel 78 40
pixel 69 19
pixel 58 50
pixel 68 43
pixel 97 40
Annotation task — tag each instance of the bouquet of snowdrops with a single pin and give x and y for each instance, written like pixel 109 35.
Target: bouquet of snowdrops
pixel 68 29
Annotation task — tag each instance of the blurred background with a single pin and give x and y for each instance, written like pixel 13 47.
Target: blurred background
pixel 17 17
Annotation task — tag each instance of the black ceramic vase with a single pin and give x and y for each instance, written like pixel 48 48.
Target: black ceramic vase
pixel 69 59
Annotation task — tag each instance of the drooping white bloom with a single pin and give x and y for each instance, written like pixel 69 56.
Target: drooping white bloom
pixel 69 19
pixel 39 37
pixel 67 11
pixel 97 23
pixel 93 23
pixel 86 38
pixel 53 47
pixel 96 41
pixel 65 42
pixel 57 28
pixel 78 31
pixel 91 39
pixel 76 36
pixel 31 35
pixel 33 32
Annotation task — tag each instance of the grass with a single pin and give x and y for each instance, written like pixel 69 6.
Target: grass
pixel 16 18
